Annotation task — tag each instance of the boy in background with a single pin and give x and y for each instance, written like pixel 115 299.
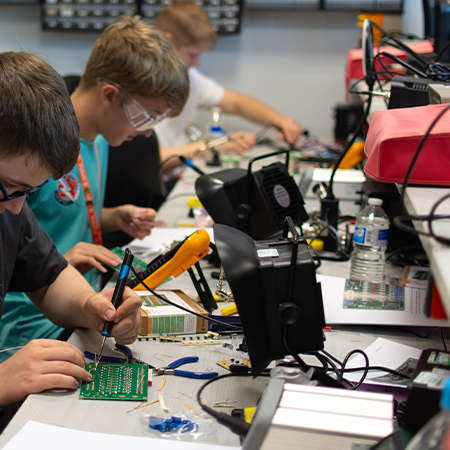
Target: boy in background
pixel 188 27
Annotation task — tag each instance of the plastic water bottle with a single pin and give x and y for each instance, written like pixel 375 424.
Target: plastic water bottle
pixel 215 128
pixel 214 131
pixel 435 434
pixel 369 243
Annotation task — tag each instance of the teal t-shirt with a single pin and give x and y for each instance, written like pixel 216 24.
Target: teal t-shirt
pixel 61 211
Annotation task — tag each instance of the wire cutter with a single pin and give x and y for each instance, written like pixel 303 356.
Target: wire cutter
pixel 126 358
pixel 171 369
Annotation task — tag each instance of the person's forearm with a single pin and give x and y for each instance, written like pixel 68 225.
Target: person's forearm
pixel 63 302
pixel 250 109
pixel 108 220
pixel 168 154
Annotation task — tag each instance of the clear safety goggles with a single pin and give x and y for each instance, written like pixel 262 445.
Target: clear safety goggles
pixel 138 117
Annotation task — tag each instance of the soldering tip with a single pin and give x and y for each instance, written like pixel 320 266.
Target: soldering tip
pixel 98 356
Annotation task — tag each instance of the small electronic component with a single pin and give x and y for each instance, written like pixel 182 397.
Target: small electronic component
pixel 224 363
pixel 173 423
pixel 235 366
pixel 116 382
pixel 205 342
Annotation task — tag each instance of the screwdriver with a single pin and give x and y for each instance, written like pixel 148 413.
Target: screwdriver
pixel 116 297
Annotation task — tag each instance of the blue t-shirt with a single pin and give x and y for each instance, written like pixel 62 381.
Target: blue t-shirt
pixel 60 209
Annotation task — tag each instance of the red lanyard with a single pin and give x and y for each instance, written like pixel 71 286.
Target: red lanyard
pixel 88 197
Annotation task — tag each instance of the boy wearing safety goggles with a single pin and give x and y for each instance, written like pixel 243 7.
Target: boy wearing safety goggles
pixel 133 79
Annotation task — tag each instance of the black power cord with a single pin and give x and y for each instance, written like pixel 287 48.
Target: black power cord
pixel 434 70
pixel 365 368
pixel 398 221
pixel 329 205
pixel 357 131
pixel 389 37
pixel 236 425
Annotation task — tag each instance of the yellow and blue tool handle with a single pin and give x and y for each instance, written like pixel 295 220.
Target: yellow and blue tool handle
pixel 155 264
pixel 119 288
pixel 160 260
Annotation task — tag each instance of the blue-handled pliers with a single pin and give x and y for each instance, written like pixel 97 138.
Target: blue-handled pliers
pixel 171 369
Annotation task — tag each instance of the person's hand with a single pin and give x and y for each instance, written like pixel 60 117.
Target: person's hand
pixel 291 130
pixel 126 318
pixel 134 221
pixel 40 365
pixel 84 256
pixel 239 142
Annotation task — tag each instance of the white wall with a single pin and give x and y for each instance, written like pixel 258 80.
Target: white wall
pixel 20 29
pixel 413 17
pixel 293 60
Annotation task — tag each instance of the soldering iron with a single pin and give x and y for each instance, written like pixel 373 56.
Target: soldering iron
pixel 116 298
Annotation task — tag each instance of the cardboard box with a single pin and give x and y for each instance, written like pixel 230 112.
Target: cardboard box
pixel 158 317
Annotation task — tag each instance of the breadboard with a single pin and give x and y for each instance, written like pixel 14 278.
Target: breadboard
pixel 116 382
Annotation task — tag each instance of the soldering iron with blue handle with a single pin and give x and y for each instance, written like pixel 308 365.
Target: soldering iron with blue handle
pixel 116 297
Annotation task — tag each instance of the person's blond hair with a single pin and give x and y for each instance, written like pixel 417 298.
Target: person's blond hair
pixel 141 59
pixel 188 23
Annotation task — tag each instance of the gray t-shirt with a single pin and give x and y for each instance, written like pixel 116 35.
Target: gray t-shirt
pixel 28 258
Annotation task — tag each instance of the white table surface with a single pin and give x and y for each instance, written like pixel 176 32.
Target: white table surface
pixel 65 408
pixel 419 200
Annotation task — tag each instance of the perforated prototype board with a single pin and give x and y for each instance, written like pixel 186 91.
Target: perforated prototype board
pixel 138 264
pixel 116 382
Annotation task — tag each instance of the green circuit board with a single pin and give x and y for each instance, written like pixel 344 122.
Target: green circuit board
pixel 138 264
pixel 116 381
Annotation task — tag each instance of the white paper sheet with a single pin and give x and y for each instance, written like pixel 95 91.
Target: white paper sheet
pixel 39 436
pixel 161 237
pixel 385 353
pixel 335 313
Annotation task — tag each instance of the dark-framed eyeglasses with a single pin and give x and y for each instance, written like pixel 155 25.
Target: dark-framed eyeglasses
pixel 16 194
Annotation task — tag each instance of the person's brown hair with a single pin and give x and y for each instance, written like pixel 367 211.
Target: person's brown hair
pixel 141 59
pixel 36 114
pixel 188 23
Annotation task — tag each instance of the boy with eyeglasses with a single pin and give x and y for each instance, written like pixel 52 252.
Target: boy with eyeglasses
pixel 188 27
pixel 39 139
pixel 133 79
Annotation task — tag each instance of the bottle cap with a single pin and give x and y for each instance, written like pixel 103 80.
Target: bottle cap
pixel 375 201
pixel 216 129
pixel 445 396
